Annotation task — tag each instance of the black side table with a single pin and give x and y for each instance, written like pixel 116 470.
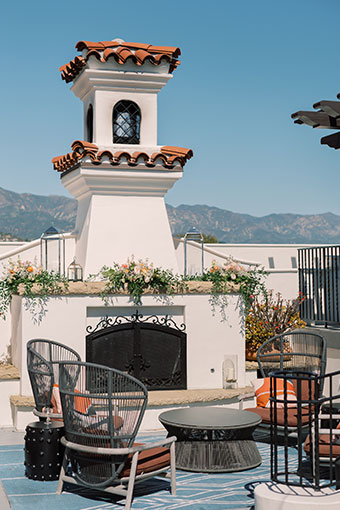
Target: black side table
pixel 43 450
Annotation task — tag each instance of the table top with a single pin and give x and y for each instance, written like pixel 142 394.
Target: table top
pixel 209 418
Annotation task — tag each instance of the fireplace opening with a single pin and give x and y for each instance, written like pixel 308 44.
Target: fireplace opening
pixel 152 349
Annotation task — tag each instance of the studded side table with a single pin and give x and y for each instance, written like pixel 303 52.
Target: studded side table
pixel 43 450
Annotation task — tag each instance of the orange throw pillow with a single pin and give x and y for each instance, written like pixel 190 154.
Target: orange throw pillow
pixel 81 403
pixel 262 392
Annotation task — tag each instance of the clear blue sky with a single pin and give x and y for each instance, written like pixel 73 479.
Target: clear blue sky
pixel 246 66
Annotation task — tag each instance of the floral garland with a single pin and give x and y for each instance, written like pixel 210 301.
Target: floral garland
pixel 249 281
pixel 136 277
pixel 23 277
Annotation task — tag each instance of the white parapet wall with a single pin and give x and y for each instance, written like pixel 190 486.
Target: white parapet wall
pixel 282 277
pixel 214 332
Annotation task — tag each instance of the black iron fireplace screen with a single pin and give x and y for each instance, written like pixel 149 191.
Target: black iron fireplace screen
pixel 151 349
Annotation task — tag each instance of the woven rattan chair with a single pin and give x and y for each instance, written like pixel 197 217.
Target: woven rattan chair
pixel 43 358
pixel 103 409
pixel 295 351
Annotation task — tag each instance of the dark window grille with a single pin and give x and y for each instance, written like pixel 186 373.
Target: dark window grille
pixel 89 124
pixel 126 122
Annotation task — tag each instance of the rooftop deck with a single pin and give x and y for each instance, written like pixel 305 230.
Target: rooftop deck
pixel 195 491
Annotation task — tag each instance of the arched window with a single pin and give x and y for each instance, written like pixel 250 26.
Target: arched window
pixel 126 122
pixel 89 124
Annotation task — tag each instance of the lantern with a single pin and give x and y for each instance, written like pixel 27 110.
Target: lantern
pixel 193 235
pixel 75 272
pixel 52 251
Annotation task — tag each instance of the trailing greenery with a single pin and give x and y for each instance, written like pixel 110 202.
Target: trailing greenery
pixel 139 276
pixel 269 315
pixel 250 281
pixel 30 280
pixel 136 277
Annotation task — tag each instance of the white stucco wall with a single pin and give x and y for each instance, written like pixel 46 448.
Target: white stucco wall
pixel 210 337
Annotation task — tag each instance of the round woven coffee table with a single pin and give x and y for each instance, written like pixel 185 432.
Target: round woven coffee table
pixel 213 439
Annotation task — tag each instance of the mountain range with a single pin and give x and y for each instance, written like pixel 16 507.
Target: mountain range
pixel 24 215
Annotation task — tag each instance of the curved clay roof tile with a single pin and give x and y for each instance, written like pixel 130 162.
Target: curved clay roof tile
pixel 94 53
pixel 124 53
pixel 169 50
pixel 102 154
pixel 160 57
pixel 81 45
pixel 139 154
pixel 177 151
pixel 82 149
pixel 119 154
pixel 109 52
pixel 81 145
pixel 141 55
pixel 172 159
pixel 158 155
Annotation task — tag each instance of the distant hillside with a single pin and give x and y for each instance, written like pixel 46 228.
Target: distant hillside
pixel 26 216
pixel 230 227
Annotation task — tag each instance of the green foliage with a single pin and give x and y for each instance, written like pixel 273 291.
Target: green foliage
pixel 209 238
pixel 137 277
pixel 29 280
pixel 249 281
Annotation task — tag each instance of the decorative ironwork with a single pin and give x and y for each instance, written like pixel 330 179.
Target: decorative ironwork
pixel 126 122
pixel 135 318
pixel 152 349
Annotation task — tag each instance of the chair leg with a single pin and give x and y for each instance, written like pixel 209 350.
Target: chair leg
pixel 131 484
pixel 173 469
pixel 62 473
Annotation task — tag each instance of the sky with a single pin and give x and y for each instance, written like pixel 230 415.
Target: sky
pixel 245 67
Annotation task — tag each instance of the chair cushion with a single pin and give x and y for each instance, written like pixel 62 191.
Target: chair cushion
pixel 264 413
pixel 262 392
pixel 324 446
pixel 307 393
pixel 148 461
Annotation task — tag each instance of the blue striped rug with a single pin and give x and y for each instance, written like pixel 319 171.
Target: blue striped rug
pixel 195 491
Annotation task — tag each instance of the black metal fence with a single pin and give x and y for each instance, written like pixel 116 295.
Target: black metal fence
pixel 319 275
pixel 313 462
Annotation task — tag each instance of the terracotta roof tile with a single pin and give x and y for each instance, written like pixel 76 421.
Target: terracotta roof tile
pixel 121 51
pixel 177 151
pixel 81 149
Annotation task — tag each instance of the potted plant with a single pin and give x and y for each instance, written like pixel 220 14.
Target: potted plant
pixel 269 315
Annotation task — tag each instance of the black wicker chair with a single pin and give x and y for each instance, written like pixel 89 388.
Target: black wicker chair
pixel 103 409
pixel 291 352
pixel 43 358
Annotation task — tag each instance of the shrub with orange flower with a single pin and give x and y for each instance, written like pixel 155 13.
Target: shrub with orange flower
pixel 269 315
